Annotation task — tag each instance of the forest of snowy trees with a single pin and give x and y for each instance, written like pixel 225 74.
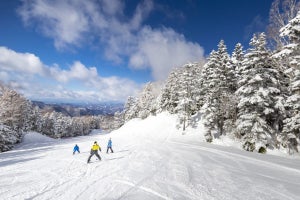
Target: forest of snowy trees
pixel 18 116
pixel 252 95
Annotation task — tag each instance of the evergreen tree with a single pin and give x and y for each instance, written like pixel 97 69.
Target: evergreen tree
pixel 169 97
pixel 187 93
pixel 146 101
pixel 207 76
pixel 289 138
pixel 230 100
pixel 199 94
pixel 130 109
pixel 218 86
pixel 259 97
pixel 225 69
pixel 291 132
pixel 237 59
pixel 118 120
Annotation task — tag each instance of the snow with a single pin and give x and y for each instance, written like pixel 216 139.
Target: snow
pixel 282 53
pixel 34 137
pixel 153 159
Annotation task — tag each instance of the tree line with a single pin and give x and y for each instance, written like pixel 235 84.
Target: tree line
pixel 18 116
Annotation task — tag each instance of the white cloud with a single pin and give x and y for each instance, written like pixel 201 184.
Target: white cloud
pixel 123 38
pixel 142 11
pixel 100 91
pixel 20 62
pixel 77 71
pixel 77 83
pixel 61 20
pixel 163 49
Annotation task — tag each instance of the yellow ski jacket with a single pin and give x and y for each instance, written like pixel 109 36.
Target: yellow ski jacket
pixel 96 147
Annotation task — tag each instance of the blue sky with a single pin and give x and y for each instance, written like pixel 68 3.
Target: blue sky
pixel 105 50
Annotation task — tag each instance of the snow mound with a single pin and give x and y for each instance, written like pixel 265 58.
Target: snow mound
pixel 153 126
pixel 160 127
pixel 165 126
pixel 34 137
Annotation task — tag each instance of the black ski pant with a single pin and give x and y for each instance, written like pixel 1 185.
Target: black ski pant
pixel 94 152
pixel 110 150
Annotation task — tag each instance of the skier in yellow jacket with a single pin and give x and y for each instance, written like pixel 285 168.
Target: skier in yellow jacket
pixel 94 151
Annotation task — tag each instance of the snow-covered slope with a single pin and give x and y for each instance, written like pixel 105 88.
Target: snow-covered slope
pixel 152 160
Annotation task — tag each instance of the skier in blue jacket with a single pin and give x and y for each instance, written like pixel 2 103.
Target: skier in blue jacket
pixel 76 148
pixel 109 146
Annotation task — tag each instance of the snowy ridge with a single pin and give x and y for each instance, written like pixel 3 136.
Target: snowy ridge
pixel 152 160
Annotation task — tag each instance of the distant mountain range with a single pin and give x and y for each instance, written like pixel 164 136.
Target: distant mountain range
pixel 73 110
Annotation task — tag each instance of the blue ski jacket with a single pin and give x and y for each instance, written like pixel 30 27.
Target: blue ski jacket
pixel 109 144
pixel 76 148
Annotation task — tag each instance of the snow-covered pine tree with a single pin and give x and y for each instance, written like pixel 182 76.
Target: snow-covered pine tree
pixel 237 59
pixel 230 105
pixel 207 86
pixel 228 100
pixel 198 92
pixel 218 85
pixel 226 69
pixel 118 120
pixel 169 98
pixel 187 93
pixel 164 98
pixel 193 79
pixel 289 138
pixel 206 76
pixel 259 96
pixel 146 101
pixel 291 53
pixel 130 109
pixel 181 93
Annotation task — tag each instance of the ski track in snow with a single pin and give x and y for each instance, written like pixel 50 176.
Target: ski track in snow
pixel 230 155
pixel 242 169
pixel 160 165
pixel 142 188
